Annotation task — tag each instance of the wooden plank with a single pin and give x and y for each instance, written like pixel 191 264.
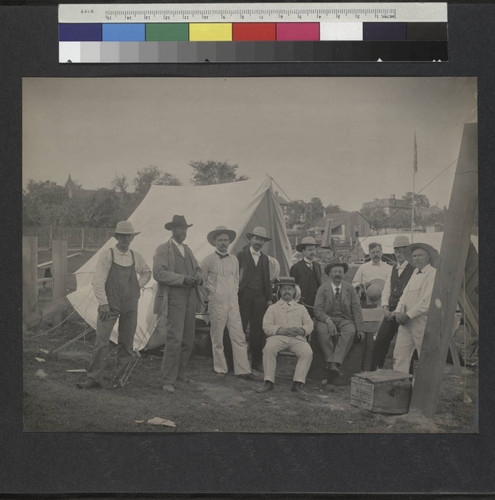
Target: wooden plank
pixel 454 251
pixel 29 275
pixel 50 262
pixel 59 272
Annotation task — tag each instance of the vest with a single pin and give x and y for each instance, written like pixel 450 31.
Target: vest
pixel 182 265
pixel 336 305
pixel 255 277
pixel 312 287
pixel 397 284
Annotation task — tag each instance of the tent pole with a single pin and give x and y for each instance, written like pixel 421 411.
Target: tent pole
pixel 455 246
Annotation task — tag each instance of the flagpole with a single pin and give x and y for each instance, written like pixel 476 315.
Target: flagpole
pixel 415 169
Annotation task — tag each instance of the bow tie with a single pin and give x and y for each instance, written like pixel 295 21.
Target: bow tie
pixel 222 255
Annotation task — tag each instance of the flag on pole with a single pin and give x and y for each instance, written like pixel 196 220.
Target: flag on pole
pixel 415 159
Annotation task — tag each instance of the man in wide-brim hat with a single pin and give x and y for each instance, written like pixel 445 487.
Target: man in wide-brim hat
pixel 307 272
pixel 287 325
pixel 178 275
pixel 338 317
pixel 391 294
pixel 221 280
pixel 254 290
pixel 414 304
pixel 117 289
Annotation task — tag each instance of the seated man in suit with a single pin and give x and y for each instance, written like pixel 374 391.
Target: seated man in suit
pixel 286 325
pixel 339 316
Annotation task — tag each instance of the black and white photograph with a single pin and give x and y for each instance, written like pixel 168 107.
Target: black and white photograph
pixel 250 255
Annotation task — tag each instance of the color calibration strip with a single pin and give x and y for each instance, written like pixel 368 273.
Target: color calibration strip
pixel 247 33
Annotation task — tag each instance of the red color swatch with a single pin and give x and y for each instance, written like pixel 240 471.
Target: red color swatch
pixel 256 32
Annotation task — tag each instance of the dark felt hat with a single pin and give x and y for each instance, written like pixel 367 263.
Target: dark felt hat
pixel 177 221
pixel 335 263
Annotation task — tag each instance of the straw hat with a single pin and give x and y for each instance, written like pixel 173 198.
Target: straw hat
pixel 375 289
pixel 125 227
pixel 220 230
pixel 260 232
pixel 307 240
pixel 285 280
pixel 434 256
pixel 401 241
pixel 177 221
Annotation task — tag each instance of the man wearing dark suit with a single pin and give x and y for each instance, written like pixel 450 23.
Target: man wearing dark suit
pixel 307 273
pixel 255 291
pixel 178 274
pixel 339 316
pixel 392 292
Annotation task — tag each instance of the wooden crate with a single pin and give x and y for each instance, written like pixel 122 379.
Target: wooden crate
pixel 382 391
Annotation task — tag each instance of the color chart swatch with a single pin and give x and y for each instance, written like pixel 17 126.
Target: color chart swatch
pixel 326 33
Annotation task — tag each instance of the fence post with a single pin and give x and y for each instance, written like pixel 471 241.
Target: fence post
pixel 82 238
pixel 59 272
pixel 29 275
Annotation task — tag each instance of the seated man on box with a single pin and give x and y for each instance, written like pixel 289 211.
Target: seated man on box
pixel 286 325
pixel 339 317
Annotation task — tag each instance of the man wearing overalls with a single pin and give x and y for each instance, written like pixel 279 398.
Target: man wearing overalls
pixel 117 289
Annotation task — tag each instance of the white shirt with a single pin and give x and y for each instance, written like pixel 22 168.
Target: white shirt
pixel 255 255
pixel 416 297
pixel 180 247
pixel 387 287
pixel 371 271
pixel 334 287
pixel 309 263
pixel 122 259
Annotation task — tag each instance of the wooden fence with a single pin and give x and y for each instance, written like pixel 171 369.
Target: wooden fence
pixel 79 238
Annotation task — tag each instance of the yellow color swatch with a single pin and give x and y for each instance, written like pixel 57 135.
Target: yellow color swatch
pixel 210 32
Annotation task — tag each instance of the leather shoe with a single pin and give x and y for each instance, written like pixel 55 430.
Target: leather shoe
pixel 297 386
pixel 248 376
pixel 267 386
pixel 334 367
pixel 89 384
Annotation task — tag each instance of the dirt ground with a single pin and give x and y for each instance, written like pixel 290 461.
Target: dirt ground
pixel 208 403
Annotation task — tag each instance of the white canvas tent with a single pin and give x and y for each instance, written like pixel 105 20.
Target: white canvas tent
pixel 240 206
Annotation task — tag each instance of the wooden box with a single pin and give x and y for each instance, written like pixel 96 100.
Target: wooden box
pixel 382 391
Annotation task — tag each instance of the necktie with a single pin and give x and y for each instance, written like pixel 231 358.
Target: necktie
pixel 337 292
pixel 222 255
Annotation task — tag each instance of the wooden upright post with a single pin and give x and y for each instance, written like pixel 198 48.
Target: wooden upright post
pixel 59 272
pixel 29 275
pixel 455 245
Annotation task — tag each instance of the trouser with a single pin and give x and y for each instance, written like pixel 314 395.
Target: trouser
pixel 409 337
pixel 384 337
pixel 126 330
pixel 224 314
pixel 179 335
pixel 335 349
pixel 298 346
pixel 253 305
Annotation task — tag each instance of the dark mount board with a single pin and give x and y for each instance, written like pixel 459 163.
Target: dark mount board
pixel 201 463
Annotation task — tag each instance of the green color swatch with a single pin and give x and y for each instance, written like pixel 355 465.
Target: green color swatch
pixel 167 32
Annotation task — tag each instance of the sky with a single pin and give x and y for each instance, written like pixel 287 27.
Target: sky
pixel 344 140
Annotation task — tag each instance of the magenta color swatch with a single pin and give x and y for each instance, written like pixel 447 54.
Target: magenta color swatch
pixel 298 31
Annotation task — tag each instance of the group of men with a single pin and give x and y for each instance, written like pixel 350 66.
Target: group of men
pixel 238 290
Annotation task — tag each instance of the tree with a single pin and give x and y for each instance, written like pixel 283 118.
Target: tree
pixel 376 217
pixel 332 209
pixel 167 179
pixel 119 183
pixel 44 202
pixel 152 175
pixel 420 200
pixel 315 210
pixel 296 212
pixel 214 172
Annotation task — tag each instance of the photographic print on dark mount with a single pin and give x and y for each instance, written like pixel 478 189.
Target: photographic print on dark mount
pixel 337 182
